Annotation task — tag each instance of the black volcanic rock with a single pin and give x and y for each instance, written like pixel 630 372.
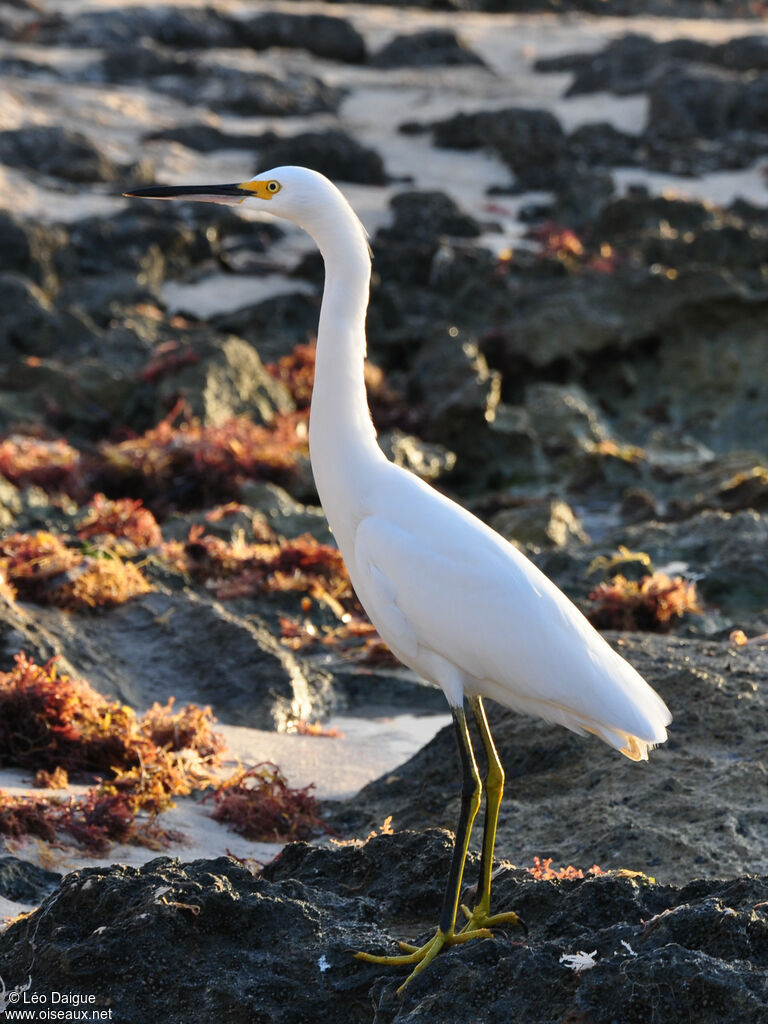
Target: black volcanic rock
pixel 177 27
pixel 143 58
pixel 23 882
pixel 60 152
pixel 600 144
pixel 333 153
pixel 429 48
pixel 531 142
pixel 219 86
pixel 320 34
pixel 277 949
pixel 256 92
pixel 628 64
pixel 204 138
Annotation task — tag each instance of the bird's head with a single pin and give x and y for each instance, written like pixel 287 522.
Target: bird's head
pixel 294 193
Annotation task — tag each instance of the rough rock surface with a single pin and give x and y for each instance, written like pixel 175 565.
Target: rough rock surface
pixel 146 650
pixel 699 95
pixel 333 153
pixel 278 947
pixel 429 48
pixel 531 142
pixel 320 34
pixel 62 153
pixel 627 64
pixel 23 882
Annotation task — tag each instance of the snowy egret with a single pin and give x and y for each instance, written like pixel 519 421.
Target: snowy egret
pixel 453 600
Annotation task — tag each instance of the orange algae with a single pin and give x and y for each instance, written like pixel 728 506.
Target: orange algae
pixel 123 518
pixel 304 728
pixel 356 636
pixel 187 464
pixel 101 583
pixel 31 461
pixel 179 463
pixel 651 603
pixel 225 511
pixel 542 870
pixel 41 568
pixel 563 245
pixel 168 357
pixel 94 822
pixel 191 728
pixel 238 568
pixel 297 371
pixel 30 560
pixel 22 816
pixel 258 803
pixel 50 720
pixel 59 726
pixel 57 779
pixel 558 242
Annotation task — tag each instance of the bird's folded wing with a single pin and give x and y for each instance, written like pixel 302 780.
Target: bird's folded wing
pixel 445 593
pixel 469 597
pixel 483 607
pixel 377 542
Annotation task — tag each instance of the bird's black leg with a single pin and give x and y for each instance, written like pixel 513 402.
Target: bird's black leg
pixel 471 794
pixel 480 916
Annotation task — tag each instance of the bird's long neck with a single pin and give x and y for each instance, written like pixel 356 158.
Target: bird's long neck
pixel 341 434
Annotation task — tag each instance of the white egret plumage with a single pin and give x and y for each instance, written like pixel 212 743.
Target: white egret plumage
pixel 453 600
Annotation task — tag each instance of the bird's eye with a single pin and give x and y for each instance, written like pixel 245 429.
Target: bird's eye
pixel 273 186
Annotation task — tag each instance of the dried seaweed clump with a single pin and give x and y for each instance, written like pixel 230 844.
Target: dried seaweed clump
pixel 258 803
pixel 122 519
pixel 50 720
pixel 23 816
pixel 240 569
pixel 41 568
pixel 653 603
pixel 356 637
pixel 297 371
pixel 95 822
pixel 53 465
pixel 191 728
pixel 562 245
pixel 56 724
pixel 543 871
pixel 189 464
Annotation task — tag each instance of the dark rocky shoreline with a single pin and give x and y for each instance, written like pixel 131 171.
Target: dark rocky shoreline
pixel 278 948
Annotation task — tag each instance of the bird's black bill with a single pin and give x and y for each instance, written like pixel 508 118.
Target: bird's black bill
pixel 197 193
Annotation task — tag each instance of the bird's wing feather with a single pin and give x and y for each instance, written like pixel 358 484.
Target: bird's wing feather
pixel 375 541
pixel 442 594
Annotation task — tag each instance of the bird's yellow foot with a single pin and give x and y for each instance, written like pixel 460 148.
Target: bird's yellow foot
pixel 480 920
pixel 422 956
